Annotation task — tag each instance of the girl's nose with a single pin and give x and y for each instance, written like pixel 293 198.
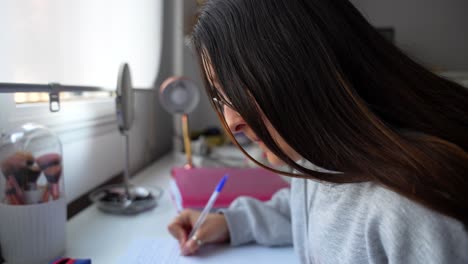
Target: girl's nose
pixel 234 121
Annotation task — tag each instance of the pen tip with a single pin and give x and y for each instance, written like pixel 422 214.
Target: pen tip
pixel 221 183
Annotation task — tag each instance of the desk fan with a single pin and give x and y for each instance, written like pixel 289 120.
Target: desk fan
pixel 179 95
pixel 125 198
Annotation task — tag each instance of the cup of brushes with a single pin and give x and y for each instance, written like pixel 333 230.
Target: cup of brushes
pixel 32 197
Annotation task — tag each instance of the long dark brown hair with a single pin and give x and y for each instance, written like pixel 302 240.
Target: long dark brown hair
pixel 340 95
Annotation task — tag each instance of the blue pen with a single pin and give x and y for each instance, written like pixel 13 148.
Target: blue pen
pixel 208 206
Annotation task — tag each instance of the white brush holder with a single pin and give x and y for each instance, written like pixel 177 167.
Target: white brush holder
pixel 32 196
pixel 33 233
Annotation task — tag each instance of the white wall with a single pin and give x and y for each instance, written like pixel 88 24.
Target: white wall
pixel 435 32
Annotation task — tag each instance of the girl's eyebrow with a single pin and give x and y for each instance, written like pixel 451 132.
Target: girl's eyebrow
pixel 217 87
pixel 209 71
pixel 213 82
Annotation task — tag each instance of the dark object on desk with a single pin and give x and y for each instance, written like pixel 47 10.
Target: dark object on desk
pixel 114 199
pixel 82 202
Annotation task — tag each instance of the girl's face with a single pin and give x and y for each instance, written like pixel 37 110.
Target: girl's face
pixel 237 124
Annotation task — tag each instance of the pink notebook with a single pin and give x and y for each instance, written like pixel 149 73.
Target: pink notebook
pixel 193 187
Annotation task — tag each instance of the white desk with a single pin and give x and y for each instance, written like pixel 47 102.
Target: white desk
pixel 105 238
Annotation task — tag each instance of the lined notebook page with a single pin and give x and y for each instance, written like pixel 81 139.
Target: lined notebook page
pixel 166 251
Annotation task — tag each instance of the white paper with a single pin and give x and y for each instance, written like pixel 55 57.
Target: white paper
pixel 166 251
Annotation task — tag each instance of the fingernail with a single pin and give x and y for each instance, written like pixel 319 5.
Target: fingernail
pixel 184 250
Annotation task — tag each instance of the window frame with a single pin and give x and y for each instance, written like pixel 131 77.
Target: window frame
pixel 76 119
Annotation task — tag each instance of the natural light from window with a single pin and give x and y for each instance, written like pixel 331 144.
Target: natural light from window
pixel 25 98
pixel 80 43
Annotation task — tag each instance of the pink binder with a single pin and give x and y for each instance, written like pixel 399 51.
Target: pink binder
pixel 195 186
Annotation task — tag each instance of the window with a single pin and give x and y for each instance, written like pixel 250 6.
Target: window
pixel 79 42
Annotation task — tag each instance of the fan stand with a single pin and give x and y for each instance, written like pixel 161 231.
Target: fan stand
pixel 179 95
pixel 187 141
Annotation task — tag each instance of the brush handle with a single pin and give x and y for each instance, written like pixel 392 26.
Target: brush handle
pixel 13 191
pixel 45 195
pixel 18 192
pixel 187 144
pixel 54 190
pixel 51 164
pixel 12 199
pixel 51 190
pixel 52 174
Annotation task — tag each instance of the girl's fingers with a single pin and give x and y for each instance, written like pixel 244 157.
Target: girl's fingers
pixel 181 225
pixel 178 231
pixel 193 244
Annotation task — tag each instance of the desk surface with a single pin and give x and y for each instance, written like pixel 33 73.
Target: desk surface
pixel 105 238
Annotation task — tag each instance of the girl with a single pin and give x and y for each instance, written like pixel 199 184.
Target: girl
pixel 313 83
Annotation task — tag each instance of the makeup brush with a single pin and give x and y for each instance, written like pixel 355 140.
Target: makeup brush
pixel 53 175
pixel 13 192
pixel 31 193
pixel 18 165
pixel 32 175
pixel 16 169
pixel 48 160
pixel 52 168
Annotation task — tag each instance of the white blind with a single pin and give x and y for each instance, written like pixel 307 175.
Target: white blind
pixel 80 42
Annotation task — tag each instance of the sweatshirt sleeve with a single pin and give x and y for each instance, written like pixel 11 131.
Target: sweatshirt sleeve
pixel 410 233
pixel 266 223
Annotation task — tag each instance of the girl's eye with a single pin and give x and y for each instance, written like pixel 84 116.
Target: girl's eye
pixel 219 103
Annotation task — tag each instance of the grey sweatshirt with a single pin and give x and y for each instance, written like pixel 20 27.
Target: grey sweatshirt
pixel 348 223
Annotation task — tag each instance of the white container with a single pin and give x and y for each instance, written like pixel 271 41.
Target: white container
pixel 32 198
pixel 33 233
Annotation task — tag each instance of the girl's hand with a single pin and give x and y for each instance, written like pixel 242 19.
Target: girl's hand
pixel 213 230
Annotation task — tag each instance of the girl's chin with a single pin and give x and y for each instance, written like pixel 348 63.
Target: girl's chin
pixel 273 159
